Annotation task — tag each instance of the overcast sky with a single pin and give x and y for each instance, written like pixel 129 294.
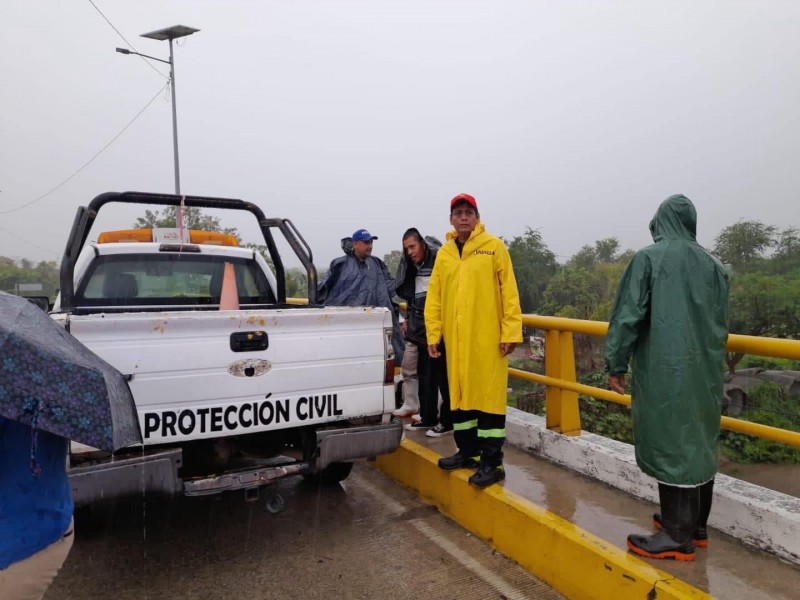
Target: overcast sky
pixel 575 118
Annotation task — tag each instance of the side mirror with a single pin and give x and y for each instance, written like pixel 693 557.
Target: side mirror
pixel 42 302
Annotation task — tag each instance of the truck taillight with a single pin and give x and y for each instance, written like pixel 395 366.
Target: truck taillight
pixel 388 353
pixel 388 372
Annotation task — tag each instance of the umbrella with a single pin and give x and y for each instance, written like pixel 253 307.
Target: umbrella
pixel 52 382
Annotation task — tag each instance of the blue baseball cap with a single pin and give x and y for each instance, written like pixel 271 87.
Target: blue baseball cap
pixel 362 235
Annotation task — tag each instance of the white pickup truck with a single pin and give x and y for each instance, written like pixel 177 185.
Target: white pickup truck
pixel 227 397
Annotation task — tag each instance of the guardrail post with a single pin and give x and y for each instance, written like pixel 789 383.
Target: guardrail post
pixel 552 368
pixel 562 414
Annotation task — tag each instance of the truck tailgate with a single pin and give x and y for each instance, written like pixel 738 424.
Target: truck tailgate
pixel 196 374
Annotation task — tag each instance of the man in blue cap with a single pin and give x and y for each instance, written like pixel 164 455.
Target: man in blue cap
pixel 360 279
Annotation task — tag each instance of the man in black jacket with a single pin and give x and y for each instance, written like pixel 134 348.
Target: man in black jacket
pixel 413 275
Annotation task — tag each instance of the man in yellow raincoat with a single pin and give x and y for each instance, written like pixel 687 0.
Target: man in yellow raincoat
pixel 473 305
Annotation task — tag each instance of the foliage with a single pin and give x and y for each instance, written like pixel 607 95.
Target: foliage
pixel 571 293
pixel 765 289
pixel 764 305
pixel 743 245
pixel 770 407
pixel 786 259
pixel 598 416
pixel 534 265
pixel 392 260
pixel 602 252
pixel 770 363
pixel 585 287
pixel 193 218
pixel 605 418
pixel 25 271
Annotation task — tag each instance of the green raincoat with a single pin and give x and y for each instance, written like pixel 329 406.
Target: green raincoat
pixel 671 314
pixel 473 304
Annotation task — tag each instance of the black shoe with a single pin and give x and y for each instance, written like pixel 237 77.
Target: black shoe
pixel 680 509
pixel 418 426
pixel 438 431
pixel 457 461
pixel 487 475
pixel 700 534
pixel 660 545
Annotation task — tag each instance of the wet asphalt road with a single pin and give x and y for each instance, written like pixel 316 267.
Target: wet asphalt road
pixel 367 538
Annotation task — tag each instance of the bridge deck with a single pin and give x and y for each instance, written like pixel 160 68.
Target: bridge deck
pixel 727 569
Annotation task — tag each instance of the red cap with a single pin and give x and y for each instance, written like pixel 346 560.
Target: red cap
pixel 464 198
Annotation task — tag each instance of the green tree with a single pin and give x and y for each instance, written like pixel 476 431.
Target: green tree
pixel 606 281
pixel 571 293
pixel 44 272
pixel 744 245
pixel 787 252
pixel 586 286
pixel 534 266
pixel 763 305
pixel 392 260
pixel 193 218
pixel 603 251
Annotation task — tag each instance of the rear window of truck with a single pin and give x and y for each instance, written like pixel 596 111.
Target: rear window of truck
pixel 169 280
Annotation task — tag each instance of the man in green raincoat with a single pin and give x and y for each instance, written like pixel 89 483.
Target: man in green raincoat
pixel 671 315
pixel 473 304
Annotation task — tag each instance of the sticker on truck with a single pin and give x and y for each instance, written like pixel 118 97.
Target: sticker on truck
pixel 166 424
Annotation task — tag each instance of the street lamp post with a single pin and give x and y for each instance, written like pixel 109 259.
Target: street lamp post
pixel 169 33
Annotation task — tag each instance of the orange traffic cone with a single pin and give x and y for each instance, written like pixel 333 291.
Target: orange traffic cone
pixel 229 296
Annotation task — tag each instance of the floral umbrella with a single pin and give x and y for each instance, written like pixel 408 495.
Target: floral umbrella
pixel 52 382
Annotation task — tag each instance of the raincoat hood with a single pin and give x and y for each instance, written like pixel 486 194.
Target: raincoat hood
pixel 676 218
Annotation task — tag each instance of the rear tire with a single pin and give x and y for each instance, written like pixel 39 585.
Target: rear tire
pixel 332 474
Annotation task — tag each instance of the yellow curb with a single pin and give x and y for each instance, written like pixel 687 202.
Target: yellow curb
pixel 573 561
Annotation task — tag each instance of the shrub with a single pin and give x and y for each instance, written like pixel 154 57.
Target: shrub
pixel 768 407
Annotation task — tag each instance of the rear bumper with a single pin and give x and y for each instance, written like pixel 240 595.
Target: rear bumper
pixel 343 445
pixel 158 471
pixel 152 472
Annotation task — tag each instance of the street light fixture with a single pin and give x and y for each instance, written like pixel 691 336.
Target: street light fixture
pixel 169 33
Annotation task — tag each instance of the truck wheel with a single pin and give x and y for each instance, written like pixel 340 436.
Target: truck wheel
pixel 333 473
pixel 275 504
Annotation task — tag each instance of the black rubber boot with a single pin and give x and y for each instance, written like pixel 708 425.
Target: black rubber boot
pixel 679 509
pixel 457 461
pixel 487 475
pixel 706 496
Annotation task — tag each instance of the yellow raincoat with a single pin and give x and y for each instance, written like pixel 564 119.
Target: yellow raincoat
pixel 473 304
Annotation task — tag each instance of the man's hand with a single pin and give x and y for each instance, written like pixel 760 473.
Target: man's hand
pixel 433 351
pixel 404 328
pixel 507 348
pixel 617 383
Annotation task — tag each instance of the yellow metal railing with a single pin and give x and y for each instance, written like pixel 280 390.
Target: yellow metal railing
pixel 562 388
